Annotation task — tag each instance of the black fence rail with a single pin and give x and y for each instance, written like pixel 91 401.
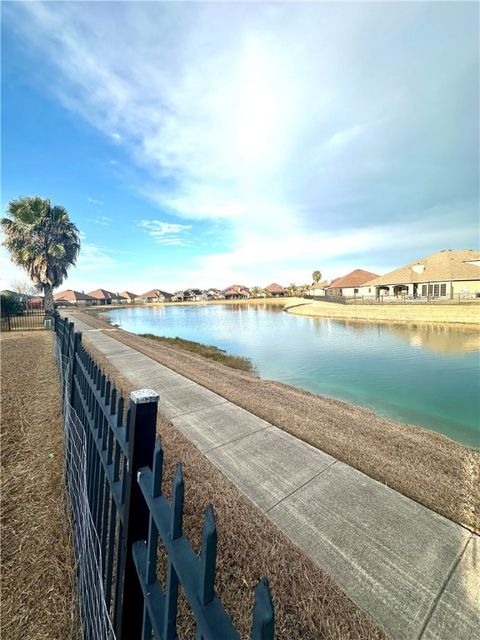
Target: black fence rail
pixel 130 514
pixel 26 320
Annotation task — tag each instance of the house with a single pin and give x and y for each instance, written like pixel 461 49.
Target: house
pixel 318 288
pixel 276 290
pixel 349 285
pixel 194 295
pixel 445 274
pixel 127 297
pixel 105 297
pixel 155 295
pixel 74 297
pixel 236 291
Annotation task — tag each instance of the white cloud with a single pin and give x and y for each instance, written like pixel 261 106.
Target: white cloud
pixel 94 201
pixel 283 121
pixel 104 221
pixel 166 233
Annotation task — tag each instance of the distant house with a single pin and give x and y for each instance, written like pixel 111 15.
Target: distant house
pixel 178 296
pixel 236 291
pixel 215 294
pixel 276 290
pixel 71 297
pixel 445 274
pixel 349 285
pixel 318 288
pixel 127 297
pixel 194 295
pixel 105 297
pixel 155 295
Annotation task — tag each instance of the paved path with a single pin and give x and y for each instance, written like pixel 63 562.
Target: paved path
pixel 412 570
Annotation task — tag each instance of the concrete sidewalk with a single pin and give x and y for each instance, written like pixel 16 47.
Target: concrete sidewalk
pixel 412 570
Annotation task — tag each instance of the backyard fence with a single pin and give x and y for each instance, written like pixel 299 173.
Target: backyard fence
pixel 458 298
pixel 114 466
pixel 25 320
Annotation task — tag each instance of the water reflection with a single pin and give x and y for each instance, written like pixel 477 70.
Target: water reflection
pixel 422 374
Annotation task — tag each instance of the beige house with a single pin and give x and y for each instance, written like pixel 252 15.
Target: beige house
pixel 127 297
pixel 155 295
pixel 276 290
pixel 105 297
pixel 447 274
pixel 75 298
pixel 349 286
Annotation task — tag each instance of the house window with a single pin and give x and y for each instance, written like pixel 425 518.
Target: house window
pixel 436 290
pixel 355 291
pixel 424 290
pixel 430 289
pixel 443 289
pixel 369 290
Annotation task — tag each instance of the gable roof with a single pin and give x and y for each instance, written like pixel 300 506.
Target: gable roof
pixel 444 265
pixel 128 294
pixel 353 279
pixel 72 296
pixel 102 294
pixel 155 293
pixel 275 288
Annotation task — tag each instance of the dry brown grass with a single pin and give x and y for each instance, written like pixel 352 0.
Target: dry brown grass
pixel 37 580
pixel 468 313
pixel 308 604
pixel 428 467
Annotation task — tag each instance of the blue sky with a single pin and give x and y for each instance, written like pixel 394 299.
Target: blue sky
pixel 202 144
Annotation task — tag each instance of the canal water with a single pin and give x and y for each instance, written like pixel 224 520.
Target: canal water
pixel 423 375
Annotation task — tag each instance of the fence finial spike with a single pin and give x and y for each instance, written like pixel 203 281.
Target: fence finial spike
pixel 157 469
pixel 208 558
pixel 263 626
pixel 178 490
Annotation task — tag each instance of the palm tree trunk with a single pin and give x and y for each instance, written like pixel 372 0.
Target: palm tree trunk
pixel 48 291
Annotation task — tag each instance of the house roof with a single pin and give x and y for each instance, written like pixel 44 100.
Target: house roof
pixel 355 278
pixel 155 293
pixel 72 296
pixel 275 288
pixel 128 294
pixel 102 294
pixel 320 285
pixel 444 265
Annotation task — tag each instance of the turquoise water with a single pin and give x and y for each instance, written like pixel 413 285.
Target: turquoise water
pixel 428 376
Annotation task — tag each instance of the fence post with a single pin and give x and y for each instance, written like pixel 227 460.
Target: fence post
pixel 141 445
pixel 77 339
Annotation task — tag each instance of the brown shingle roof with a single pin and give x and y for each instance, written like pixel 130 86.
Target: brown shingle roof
pixel 128 294
pixel 444 265
pixel 102 294
pixel 155 293
pixel 275 288
pixel 354 279
pixel 72 296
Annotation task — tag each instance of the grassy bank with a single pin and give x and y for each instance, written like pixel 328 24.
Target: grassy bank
pixel 38 573
pixel 308 604
pixel 426 466
pixel 206 351
pixel 461 314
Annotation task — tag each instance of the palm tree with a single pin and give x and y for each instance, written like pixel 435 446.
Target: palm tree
pixel 41 239
pixel 292 288
pixel 317 276
pixel 255 291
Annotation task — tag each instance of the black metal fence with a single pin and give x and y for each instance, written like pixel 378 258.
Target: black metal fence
pixel 26 320
pixel 123 474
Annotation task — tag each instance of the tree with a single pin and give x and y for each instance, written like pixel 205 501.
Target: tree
pixel 317 276
pixel 292 289
pixel 255 291
pixel 10 306
pixel 42 240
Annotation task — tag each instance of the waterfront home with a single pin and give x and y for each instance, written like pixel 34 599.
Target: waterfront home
pixel 105 297
pixel 447 274
pixel 155 295
pixel 194 295
pixel 236 291
pixel 276 290
pixel 318 288
pixel 127 297
pixel 71 297
pixel 349 285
